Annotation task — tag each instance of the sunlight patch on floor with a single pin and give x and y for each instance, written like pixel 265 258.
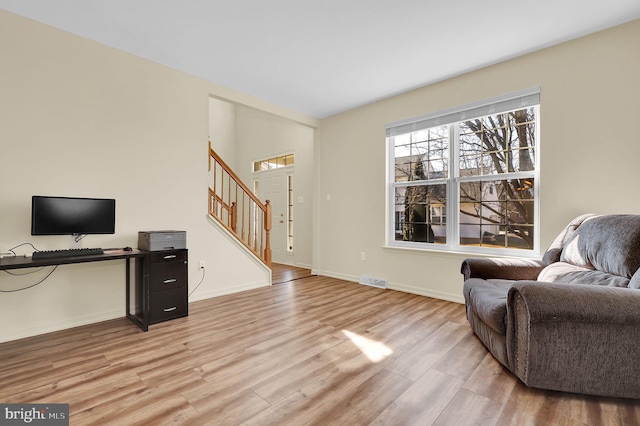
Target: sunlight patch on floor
pixel 375 351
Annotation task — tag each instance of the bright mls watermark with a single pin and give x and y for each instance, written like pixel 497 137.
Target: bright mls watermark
pixel 34 414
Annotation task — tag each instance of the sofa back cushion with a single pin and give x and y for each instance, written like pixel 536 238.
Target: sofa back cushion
pixel 609 244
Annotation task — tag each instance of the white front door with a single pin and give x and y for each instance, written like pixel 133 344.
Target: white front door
pixel 272 186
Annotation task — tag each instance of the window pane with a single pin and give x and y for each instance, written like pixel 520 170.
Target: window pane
pixel 420 213
pixel 402 170
pixel 422 155
pixel 289 159
pixel 500 143
pixel 402 140
pixel 497 213
pixel 471 149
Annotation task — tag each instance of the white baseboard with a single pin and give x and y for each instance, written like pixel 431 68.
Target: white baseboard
pixel 336 275
pixel 22 333
pixel 227 290
pixel 451 297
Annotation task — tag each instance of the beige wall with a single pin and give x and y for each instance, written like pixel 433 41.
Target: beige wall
pixel 222 130
pixel 82 119
pixel 590 92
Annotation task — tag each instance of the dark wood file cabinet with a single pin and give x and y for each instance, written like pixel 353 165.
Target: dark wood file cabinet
pixel 161 287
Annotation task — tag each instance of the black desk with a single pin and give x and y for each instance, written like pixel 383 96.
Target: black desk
pixel 21 262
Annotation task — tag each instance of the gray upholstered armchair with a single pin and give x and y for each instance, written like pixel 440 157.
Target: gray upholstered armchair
pixel 570 322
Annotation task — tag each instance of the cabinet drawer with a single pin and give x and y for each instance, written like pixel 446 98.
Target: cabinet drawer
pixel 169 304
pixel 168 256
pixel 166 276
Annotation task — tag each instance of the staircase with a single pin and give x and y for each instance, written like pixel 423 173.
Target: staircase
pixel 238 210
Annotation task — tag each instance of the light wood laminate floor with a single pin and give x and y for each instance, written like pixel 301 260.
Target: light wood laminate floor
pixel 312 351
pixel 284 273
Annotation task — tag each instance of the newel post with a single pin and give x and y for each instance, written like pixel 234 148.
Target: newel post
pixel 267 233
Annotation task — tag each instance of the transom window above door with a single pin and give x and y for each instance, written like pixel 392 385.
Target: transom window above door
pixel 274 163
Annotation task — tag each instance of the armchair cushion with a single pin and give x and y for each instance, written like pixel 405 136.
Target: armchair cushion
pixel 634 282
pixel 554 251
pixel 561 272
pixel 607 243
pixel 488 297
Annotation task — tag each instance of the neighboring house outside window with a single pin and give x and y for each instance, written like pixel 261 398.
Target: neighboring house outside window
pixel 466 179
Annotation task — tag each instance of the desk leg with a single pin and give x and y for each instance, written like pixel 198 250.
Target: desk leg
pixel 128 281
pixel 143 322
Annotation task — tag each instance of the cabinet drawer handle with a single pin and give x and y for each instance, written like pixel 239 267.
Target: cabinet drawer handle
pixel 169 281
pixel 170 256
pixel 170 309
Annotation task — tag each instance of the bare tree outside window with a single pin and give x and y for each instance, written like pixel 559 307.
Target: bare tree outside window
pixel 498 212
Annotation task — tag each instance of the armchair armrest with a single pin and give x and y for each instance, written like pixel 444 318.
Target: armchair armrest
pixel 501 268
pixel 575 338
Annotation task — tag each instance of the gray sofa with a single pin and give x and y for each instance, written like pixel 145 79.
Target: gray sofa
pixel 570 322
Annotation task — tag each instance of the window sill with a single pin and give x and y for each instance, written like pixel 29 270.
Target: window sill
pixel 519 254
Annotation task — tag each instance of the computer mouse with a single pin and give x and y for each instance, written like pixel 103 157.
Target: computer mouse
pixel 127 249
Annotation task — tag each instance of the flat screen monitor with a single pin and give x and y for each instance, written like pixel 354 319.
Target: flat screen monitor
pixel 72 216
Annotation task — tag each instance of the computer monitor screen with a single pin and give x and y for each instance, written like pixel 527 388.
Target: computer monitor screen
pixel 69 216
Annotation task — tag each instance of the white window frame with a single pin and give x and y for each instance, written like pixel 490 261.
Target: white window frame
pixel 513 101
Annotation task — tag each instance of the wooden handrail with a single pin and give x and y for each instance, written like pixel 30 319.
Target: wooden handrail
pixel 231 202
pixel 214 155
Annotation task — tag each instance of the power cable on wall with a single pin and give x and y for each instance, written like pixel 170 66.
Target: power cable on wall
pixel 32 285
pixel 202 268
pixel 12 253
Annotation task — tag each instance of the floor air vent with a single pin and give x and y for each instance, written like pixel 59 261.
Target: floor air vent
pixel 373 282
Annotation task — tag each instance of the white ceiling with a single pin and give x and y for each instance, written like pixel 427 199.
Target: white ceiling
pixel 322 57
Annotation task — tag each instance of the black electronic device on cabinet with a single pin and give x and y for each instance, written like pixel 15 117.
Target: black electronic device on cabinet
pixel 162 240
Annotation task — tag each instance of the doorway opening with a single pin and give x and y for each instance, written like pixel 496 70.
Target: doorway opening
pixel 273 180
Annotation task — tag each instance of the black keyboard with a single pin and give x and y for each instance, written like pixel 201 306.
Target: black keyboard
pixel 46 254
